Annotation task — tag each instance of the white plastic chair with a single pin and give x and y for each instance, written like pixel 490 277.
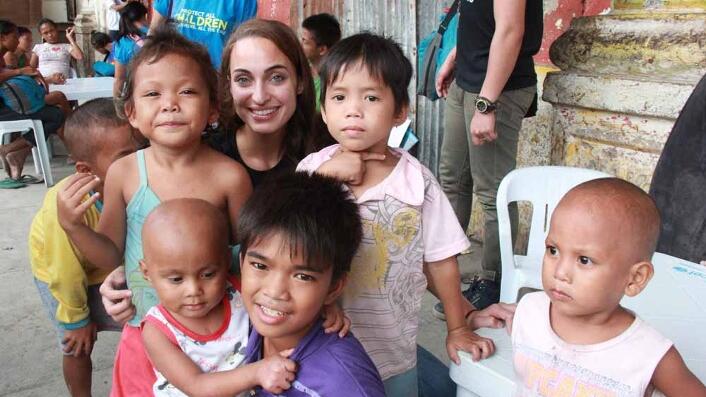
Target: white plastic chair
pixel 40 153
pixel 674 301
pixel 543 187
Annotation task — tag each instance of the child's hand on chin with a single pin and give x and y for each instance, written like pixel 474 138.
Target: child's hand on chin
pixel 335 320
pixel 276 373
pixel 464 339
pixel 348 167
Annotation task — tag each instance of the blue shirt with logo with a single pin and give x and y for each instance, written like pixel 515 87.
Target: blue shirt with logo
pixel 209 23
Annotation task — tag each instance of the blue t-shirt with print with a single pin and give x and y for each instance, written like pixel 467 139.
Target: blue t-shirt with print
pixel 208 22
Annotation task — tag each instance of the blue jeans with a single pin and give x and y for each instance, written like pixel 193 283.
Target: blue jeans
pixel 433 376
pixel 430 378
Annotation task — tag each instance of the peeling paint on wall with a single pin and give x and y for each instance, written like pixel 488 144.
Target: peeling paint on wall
pixel 279 10
pixel 558 15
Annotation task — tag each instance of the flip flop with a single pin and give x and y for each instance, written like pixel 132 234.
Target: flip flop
pixel 9 183
pixel 29 179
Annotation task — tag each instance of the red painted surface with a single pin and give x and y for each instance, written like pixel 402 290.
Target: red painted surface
pixel 274 9
pixel 558 20
pixel 595 7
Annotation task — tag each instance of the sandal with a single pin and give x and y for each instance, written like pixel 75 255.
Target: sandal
pixel 9 183
pixel 29 179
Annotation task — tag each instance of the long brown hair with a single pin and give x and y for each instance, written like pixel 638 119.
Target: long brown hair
pixel 298 139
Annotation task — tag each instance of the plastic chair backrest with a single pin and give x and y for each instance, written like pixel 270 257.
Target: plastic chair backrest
pixel 674 302
pixel 543 187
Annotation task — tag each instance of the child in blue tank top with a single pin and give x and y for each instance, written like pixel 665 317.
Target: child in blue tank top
pixel 170 95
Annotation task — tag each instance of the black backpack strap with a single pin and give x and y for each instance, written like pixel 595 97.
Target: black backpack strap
pixel 170 5
pixel 449 16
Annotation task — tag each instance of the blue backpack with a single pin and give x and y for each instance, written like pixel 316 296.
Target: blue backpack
pixel 433 50
pixel 22 94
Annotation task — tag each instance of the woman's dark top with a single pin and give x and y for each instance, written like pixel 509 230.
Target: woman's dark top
pixel 225 143
pixel 679 182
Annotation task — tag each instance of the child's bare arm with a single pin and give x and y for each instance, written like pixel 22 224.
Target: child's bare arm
pixel 673 378
pixel 460 337
pixel 103 247
pixel 96 248
pixel 274 373
pixel 348 167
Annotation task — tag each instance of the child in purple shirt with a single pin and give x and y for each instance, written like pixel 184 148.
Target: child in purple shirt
pixel 298 235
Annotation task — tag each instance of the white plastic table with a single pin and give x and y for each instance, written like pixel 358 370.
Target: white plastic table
pixel 83 89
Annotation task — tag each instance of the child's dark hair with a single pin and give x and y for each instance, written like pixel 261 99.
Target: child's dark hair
pixel 21 31
pixel 99 39
pixel 313 213
pixel 45 21
pixel 7 27
pixel 381 56
pixel 325 29
pixel 133 12
pixel 82 127
pixel 298 140
pixel 162 42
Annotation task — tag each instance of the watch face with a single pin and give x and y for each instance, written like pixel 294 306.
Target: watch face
pixel 482 106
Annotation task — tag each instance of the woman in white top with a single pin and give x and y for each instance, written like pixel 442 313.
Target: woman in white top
pixel 51 58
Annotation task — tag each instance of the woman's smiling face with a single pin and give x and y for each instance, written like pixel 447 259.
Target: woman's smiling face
pixel 263 83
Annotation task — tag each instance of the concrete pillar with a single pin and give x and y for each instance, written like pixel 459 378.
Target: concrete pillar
pixel 624 78
pixel 85 23
pixel 642 6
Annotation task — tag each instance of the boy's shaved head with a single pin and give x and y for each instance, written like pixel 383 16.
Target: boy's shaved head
pixel 631 213
pixel 86 128
pixel 184 226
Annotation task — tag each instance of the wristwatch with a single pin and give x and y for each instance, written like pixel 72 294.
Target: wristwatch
pixel 485 105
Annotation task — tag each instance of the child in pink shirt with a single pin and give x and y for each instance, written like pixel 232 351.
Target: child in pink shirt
pixel 410 234
pixel 574 339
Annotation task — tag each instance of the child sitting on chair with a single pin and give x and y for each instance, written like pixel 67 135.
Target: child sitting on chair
pixel 574 338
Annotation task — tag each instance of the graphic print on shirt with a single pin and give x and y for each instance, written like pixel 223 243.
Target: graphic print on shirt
pixel 227 351
pixel 395 230
pixel 201 21
pixel 544 374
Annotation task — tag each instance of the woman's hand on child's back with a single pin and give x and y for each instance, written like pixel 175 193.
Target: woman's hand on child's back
pixel 79 342
pixel 349 167
pixel 276 373
pixel 71 206
pixel 464 339
pixel 116 296
pixel 335 320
